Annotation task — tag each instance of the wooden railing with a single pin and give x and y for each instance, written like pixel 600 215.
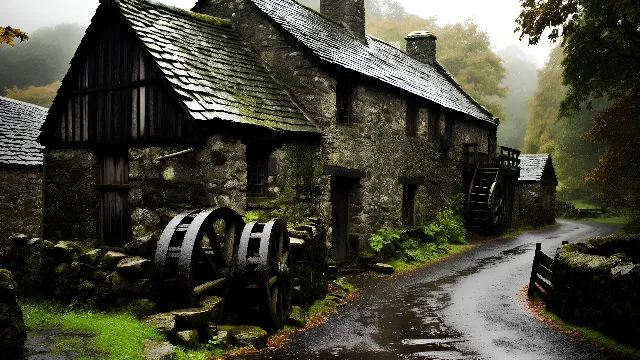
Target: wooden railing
pixel 509 158
pixel 590 212
pixel 540 281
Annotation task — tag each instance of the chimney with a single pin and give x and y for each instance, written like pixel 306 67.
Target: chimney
pixel 422 46
pixel 349 13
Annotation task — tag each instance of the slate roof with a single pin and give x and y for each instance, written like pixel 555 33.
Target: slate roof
pixel 532 166
pixel 211 69
pixel 335 44
pixel 19 127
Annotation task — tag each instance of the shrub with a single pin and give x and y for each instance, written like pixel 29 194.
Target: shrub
pixel 447 229
pixel 385 241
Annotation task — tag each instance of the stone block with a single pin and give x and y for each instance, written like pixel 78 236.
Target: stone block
pixel 154 350
pixel 111 259
pixel 137 289
pixel 194 318
pixel 164 323
pixel 244 335
pixel 92 257
pixel 214 305
pixel 135 268
pixel 188 338
pixel 383 268
pixel 144 246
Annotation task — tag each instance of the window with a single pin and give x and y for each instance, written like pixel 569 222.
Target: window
pixel 448 128
pixel 411 125
pixel 434 126
pixel 408 204
pixel 344 92
pixel 257 171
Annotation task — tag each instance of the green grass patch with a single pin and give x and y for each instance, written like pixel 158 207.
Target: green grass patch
pixel 116 336
pixel 329 301
pixel 584 204
pixel 595 336
pixel 427 255
pixel 610 219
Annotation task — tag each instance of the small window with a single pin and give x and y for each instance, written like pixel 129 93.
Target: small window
pixel 408 204
pixel 344 94
pixel 434 126
pixel 411 125
pixel 448 128
pixel 257 167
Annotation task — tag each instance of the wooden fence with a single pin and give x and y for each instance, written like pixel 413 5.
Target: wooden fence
pixel 540 282
pixel 590 212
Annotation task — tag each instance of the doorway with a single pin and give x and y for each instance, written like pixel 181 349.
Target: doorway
pixel 340 216
pixel 114 199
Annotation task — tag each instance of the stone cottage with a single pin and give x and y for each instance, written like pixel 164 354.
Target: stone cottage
pixel 259 105
pixel 20 168
pixel 536 190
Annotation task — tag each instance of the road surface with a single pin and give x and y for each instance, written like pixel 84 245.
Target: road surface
pixel 464 307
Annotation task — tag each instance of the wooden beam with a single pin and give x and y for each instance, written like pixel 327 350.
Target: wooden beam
pixel 113 87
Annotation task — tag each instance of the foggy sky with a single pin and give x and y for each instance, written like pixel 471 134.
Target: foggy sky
pixel 495 16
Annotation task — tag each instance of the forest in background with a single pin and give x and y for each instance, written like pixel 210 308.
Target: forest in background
pixel 505 81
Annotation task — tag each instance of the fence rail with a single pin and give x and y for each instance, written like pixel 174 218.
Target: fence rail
pixel 540 282
pixel 590 212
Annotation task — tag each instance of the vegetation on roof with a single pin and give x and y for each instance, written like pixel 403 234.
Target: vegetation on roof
pixel 198 16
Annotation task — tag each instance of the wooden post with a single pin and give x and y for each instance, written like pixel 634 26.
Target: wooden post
pixel 534 270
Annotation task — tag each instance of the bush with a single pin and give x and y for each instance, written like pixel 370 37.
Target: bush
pixel 386 241
pixel 447 229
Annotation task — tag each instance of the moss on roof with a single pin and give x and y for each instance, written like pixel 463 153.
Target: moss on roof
pixel 198 16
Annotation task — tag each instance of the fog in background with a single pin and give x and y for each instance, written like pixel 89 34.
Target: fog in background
pixel 497 17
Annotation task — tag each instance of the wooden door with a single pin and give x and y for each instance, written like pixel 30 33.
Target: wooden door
pixel 114 199
pixel 339 217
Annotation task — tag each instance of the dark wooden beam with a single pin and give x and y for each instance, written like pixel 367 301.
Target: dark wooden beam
pixel 344 172
pixel 410 180
pixel 113 87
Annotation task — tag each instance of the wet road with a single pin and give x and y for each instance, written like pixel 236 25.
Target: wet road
pixel 465 307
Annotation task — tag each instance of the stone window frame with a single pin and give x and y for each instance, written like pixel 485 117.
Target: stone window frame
pixel 410 187
pixel 344 101
pixel 257 159
pixel 411 119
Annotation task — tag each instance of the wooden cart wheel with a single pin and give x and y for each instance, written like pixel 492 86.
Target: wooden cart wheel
pixel 263 272
pixel 193 260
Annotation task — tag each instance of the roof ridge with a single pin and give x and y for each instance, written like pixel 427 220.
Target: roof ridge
pixel 211 20
pixel 23 102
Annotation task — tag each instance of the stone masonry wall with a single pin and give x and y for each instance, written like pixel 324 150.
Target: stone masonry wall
pixel 536 204
pixel 20 201
pixel 72 198
pixel 213 176
pixel 376 142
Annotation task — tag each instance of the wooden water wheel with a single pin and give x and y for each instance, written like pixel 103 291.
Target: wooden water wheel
pixel 195 255
pixel 485 207
pixel 263 274
pixel 496 206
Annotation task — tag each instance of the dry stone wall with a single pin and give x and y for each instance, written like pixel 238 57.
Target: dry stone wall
pixel 20 201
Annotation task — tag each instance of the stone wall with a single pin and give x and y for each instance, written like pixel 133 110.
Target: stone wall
pixel 597 283
pixel 72 200
pixel 20 201
pixel 214 175
pixel 536 203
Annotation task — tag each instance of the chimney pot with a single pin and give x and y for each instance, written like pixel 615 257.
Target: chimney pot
pixel 422 46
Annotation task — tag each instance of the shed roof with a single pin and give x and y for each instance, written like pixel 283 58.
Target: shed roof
pixel 211 69
pixel 335 44
pixel 532 166
pixel 19 127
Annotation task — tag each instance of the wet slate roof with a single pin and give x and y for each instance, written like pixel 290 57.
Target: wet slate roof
pixel 335 44
pixel 532 166
pixel 211 69
pixel 19 127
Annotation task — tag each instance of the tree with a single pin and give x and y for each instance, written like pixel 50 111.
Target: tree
pixel 521 80
pixel 8 34
pixel 602 59
pixel 465 51
pixel 38 95
pixel 43 59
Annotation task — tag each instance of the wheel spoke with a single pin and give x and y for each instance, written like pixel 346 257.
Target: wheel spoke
pixel 285 256
pixel 280 245
pixel 213 266
pixel 273 262
pixel 274 299
pixel 272 280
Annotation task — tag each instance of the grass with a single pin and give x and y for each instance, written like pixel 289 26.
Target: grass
pixel 584 204
pixel 595 336
pixel 116 336
pixel 402 265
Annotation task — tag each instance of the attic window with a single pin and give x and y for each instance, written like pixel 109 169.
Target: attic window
pixel 411 124
pixel 344 94
pixel 257 165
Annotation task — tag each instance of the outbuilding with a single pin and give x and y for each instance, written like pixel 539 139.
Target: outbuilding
pixel 20 168
pixel 536 190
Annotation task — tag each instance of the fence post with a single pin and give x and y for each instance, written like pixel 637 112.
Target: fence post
pixel 534 270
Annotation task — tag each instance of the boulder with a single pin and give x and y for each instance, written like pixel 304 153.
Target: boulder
pixel 188 338
pixel 164 323
pixel 135 268
pixel 298 317
pixel 156 350
pixel 214 305
pixel 138 289
pixel 244 335
pixel 141 308
pixel 144 246
pixel 111 259
pixel 65 250
pixel 383 268
pixel 13 332
pixel 194 318
pixel 92 257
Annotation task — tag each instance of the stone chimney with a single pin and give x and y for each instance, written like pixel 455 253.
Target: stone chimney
pixel 422 46
pixel 350 13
